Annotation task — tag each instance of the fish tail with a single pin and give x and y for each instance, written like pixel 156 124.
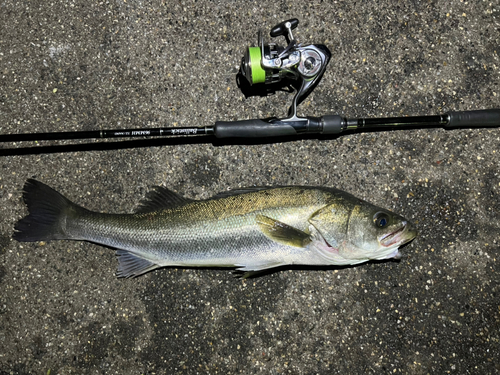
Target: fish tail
pixel 48 212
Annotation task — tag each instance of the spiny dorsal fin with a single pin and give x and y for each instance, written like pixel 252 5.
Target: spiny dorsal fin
pixel 160 198
pixel 282 233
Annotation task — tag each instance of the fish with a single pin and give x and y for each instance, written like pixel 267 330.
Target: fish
pixel 250 230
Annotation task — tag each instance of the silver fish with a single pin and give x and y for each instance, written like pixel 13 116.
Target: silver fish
pixel 250 229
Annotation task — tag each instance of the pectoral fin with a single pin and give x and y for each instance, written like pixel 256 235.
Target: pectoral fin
pixel 282 233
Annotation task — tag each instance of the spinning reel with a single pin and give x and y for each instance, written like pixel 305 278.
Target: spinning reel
pixel 271 63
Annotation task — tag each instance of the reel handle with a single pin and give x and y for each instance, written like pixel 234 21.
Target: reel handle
pixel 284 27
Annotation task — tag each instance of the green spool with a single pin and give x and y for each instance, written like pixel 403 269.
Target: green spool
pixel 258 74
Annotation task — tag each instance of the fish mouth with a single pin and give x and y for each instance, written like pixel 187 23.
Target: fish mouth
pixel 400 236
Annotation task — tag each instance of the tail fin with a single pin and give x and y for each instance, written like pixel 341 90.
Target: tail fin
pixel 47 212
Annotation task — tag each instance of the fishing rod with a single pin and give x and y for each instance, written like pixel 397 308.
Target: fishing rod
pixel 270 64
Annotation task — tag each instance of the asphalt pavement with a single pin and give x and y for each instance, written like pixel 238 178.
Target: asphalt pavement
pixel 93 65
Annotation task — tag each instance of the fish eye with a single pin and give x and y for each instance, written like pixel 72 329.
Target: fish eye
pixel 380 219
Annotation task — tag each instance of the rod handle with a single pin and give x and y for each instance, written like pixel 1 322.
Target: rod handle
pixel 468 119
pixel 255 128
pixel 252 129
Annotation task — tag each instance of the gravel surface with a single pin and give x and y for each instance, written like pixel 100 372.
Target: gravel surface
pixel 85 65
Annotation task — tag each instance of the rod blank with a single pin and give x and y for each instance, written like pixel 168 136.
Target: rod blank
pixel 115 133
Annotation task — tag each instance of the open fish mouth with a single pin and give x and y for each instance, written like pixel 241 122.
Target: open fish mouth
pixel 396 237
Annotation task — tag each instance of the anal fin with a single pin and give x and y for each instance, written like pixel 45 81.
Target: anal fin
pixel 132 265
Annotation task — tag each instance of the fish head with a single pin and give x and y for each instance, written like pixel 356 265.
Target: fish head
pixel 355 232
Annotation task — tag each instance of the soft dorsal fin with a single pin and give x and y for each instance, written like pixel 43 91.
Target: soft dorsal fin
pixel 160 198
pixel 282 233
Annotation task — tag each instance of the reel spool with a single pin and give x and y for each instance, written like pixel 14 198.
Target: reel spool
pixel 271 63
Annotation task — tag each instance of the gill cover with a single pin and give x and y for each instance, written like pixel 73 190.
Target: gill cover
pixel 332 221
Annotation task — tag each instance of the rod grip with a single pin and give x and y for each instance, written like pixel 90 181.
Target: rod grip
pixel 468 119
pixel 252 129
